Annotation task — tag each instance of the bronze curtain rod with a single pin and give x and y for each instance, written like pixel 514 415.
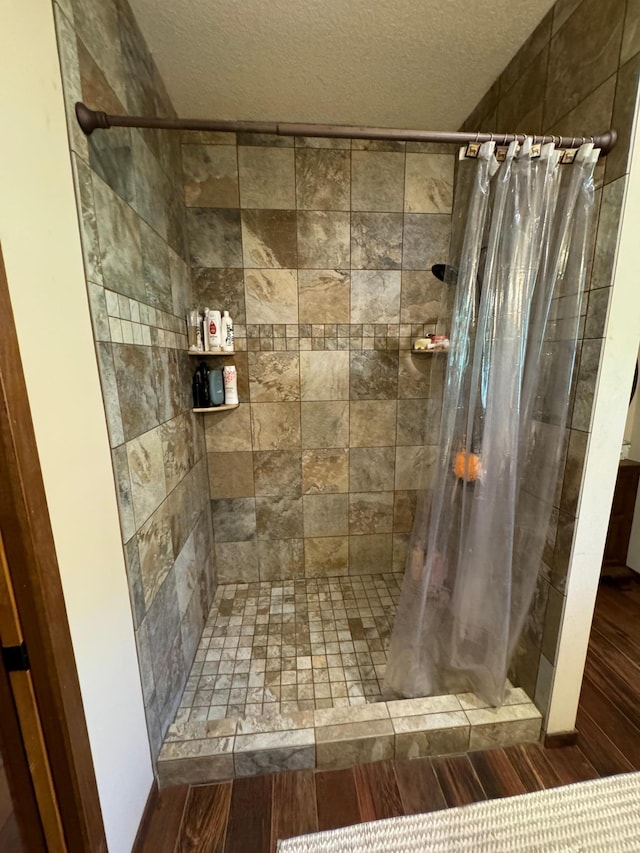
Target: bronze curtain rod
pixel 90 120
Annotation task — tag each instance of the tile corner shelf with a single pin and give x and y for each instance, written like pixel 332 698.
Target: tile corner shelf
pixel 223 408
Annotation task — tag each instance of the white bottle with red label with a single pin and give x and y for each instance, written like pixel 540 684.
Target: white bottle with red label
pixel 213 340
pixel 230 378
pixel 226 333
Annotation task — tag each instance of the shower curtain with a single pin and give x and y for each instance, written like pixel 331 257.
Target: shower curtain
pixel 523 228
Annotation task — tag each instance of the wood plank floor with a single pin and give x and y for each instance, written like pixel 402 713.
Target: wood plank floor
pixel 249 815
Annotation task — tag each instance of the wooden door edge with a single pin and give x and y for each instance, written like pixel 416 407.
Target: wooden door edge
pixel 33 566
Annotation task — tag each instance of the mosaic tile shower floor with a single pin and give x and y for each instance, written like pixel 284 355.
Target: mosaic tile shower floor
pixel 286 646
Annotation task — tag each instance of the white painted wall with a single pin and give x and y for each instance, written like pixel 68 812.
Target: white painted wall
pixel 609 415
pixel 41 244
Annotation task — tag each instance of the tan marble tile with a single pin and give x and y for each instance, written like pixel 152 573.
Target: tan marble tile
pixel 323 239
pixel 371 469
pixel 429 722
pixel 370 554
pixel 277 473
pixel 225 728
pixel 195 771
pixel 512 696
pixel 374 375
pixel 281 559
pixel 237 562
pixel 325 470
pixel 275 426
pixel 267 178
pixel 377 181
pixel 429 183
pixel 504 714
pixel 276 723
pixel 271 295
pixel 229 431
pixel 328 555
pixel 631 35
pixel 352 714
pixel 326 515
pixel 146 468
pixel 404 509
pixel 353 743
pixel 446 741
pixel 325 424
pixel 210 176
pixel 375 296
pixel 323 296
pixel 253 763
pixel 400 551
pixel 269 239
pixel 196 748
pixel 425 705
pixel 414 465
pixel 324 376
pixel 215 237
pixel 230 474
pixel 279 517
pixel 372 423
pixel 323 179
pixel 504 734
pixel 376 241
pixel 370 512
pixel 155 552
pixel 274 376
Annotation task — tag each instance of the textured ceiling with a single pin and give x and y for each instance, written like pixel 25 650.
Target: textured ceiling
pixel 406 63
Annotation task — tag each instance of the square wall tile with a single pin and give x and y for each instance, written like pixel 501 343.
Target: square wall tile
pixel 424 299
pixel 326 515
pixel 425 240
pixel 146 469
pixel 275 426
pixel 372 423
pixel 230 474
pixel 323 239
pixel 370 512
pixel 375 296
pixel 222 289
pixel 370 555
pixel 278 472
pixel 237 562
pixel 271 295
pixel 326 556
pixel 414 466
pixel 267 178
pixel 234 520
pixel 404 510
pixel 281 559
pixel 215 238
pixel 324 375
pixel 376 241
pixel 371 469
pixel 373 375
pixel 210 176
pixel 323 179
pixel 279 517
pixel 228 431
pixel 274 376
pixel 323 296
pixel 325 424
pixel 269 239
pixel 429 183
pixel 377 181
pixel 325 470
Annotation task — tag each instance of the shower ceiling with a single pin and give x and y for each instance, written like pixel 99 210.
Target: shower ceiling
pixel 408 63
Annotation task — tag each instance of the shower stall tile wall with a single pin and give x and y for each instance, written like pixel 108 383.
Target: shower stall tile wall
pixel 322 251
pixel 129 192
pixel 578 72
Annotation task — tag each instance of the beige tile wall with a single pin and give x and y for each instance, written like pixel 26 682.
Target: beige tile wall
pixel 322 251
pixel 576 74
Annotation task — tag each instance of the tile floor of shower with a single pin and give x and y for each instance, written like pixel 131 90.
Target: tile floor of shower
pixel 288 675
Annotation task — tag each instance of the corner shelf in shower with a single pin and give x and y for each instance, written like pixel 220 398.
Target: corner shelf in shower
pixel 216 409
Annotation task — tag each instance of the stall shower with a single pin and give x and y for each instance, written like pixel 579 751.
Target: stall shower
pixel 265 546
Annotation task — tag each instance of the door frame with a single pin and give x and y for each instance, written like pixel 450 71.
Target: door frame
pixel 35 576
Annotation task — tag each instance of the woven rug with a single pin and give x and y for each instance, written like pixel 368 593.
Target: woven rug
pixel 602 815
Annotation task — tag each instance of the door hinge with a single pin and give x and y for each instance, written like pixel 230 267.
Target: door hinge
pixel 15 658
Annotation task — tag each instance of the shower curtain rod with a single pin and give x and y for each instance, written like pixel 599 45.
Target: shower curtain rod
pixel 90 120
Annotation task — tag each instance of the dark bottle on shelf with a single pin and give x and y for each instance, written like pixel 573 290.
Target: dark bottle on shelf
pixel 201 387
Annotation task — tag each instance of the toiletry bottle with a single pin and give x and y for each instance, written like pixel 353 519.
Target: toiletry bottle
pixel 216 388
pixel 203 370
pixel 196 387
pixel 227 332
pixel 193 323
pixel 230 385
pixel 214 323
pixel 205 329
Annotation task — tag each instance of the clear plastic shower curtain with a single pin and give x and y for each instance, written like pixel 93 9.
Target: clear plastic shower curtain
pixel 480 528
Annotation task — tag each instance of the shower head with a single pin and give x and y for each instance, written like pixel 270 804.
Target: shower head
pixel 446 273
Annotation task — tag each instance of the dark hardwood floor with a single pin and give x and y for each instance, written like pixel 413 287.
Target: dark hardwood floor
pixel 249 815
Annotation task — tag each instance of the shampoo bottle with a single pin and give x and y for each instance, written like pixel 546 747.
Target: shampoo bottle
pixel 216 388
pixel 230 385
pixel 227 332
pixel 205 330
pixel 215 340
